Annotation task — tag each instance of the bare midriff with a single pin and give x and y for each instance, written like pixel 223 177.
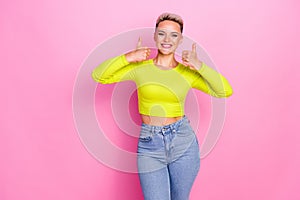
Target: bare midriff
pixel 159 121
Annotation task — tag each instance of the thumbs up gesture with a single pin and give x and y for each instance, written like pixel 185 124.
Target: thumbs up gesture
pixel 190 59
pixel 139 54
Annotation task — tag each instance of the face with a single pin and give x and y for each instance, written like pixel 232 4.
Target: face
pixel 167 37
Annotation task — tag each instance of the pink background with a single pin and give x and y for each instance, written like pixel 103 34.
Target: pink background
pixel 255 44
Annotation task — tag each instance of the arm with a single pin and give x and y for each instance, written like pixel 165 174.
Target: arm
pixel 122 67
pixel 113 70
pixel 211 82
pixel 206 79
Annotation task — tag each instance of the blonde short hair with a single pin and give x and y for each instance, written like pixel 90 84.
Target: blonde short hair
pixel 171 17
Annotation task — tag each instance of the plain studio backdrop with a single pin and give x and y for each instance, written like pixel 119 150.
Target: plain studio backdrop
pixel 255 44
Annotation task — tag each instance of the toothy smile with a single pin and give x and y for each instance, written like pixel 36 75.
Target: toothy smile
pixel 167 46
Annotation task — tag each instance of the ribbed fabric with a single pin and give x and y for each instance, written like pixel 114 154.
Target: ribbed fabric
pixel 162 92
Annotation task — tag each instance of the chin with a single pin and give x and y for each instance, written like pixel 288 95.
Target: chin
pixel 165 52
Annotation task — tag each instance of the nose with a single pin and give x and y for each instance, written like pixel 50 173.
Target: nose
pixel 166 38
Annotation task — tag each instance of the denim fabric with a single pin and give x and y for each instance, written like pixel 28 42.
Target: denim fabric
pixel 168 160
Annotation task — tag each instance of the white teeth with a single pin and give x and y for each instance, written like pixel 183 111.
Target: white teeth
pixel 166 45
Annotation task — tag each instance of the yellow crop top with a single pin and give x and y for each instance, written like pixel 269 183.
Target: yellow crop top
pixel 162 92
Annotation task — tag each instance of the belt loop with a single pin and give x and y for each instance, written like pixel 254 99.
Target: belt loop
pixel 162 130
pixel 179 124
pixel 174 129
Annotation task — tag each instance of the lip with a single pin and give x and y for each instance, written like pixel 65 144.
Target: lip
pixel 166 46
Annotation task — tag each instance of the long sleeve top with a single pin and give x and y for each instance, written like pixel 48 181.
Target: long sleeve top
pixel 162 92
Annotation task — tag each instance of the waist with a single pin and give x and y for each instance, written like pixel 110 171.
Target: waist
pixel 160 121
pixel 159 128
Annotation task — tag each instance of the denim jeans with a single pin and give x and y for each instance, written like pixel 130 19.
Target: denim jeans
pixel 168 160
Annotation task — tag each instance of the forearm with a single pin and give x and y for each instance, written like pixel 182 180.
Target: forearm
pixel 216 84
pixel 104 72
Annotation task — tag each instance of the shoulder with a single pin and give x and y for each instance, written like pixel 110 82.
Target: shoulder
pixel 189 74
pixel 181 68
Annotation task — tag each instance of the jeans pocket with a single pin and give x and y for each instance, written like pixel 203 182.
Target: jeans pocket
pixel 185 130
pixel 145 139
pixel 150 143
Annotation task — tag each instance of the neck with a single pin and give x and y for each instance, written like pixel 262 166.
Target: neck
pixel 167 61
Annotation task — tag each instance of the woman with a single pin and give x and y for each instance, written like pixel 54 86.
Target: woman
pixel 168 150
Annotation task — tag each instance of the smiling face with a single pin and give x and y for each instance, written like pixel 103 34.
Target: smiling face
pixel 167 37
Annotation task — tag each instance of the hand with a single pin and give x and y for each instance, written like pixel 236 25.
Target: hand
pixel 189 58
pixel 139 54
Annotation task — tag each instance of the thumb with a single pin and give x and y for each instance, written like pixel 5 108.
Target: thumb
pixel 139 44
pixel 194 47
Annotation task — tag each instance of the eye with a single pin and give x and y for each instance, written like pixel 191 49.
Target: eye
pixel 161 34
pixel 174 35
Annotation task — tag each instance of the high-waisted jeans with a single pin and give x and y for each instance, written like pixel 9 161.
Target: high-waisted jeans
pixel 168 160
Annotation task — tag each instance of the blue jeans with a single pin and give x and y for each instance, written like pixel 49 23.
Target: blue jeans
pixel 168 160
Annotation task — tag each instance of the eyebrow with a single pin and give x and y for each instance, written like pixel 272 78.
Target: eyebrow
pixel 160 30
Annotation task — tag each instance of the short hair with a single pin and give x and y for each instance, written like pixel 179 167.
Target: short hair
pixel 171 17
